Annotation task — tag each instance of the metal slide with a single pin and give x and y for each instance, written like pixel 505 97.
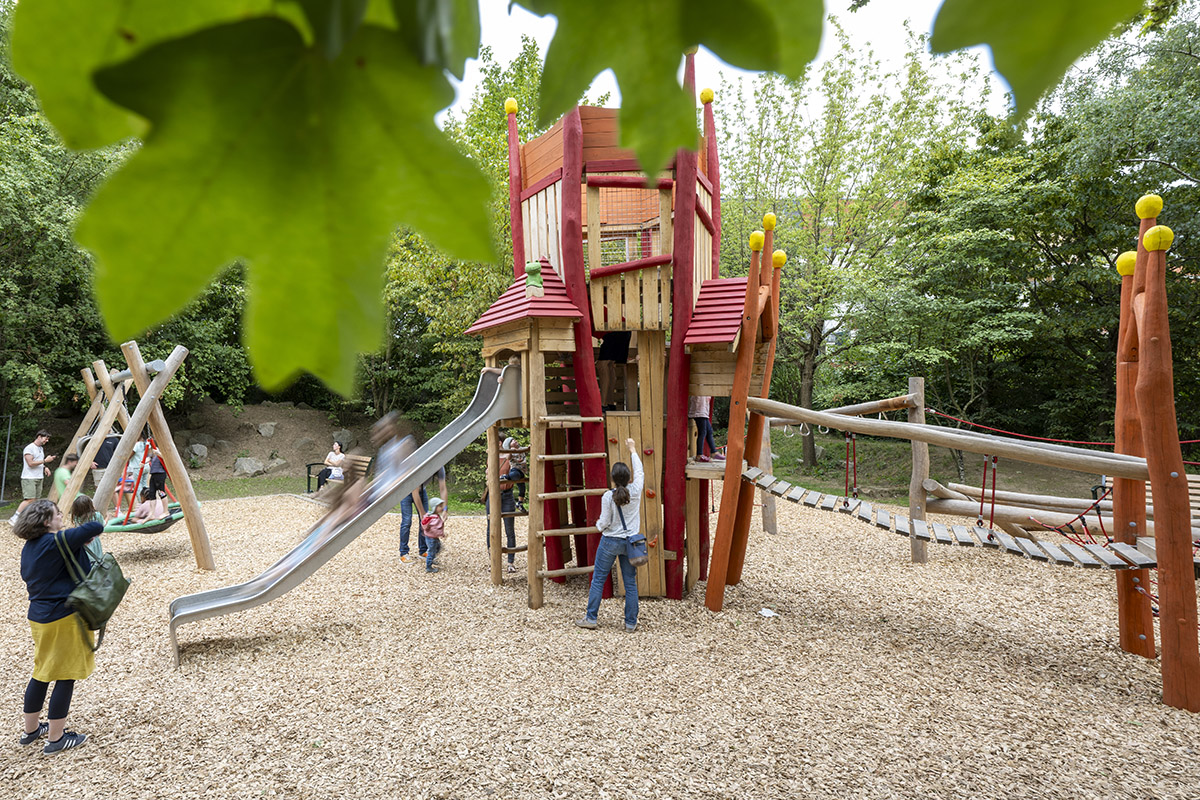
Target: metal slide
pixel 497 397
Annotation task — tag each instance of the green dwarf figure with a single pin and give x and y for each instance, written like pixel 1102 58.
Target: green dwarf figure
pixel 533 280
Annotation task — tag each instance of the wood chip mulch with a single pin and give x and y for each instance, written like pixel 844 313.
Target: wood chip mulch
pixel 974 675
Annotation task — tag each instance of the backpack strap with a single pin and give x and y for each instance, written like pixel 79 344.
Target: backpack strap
pixel 624 527
pixel 73 568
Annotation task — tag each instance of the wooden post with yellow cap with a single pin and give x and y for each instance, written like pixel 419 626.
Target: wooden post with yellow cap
pixel 1135 617
pixel 718 568
pixel 1155 395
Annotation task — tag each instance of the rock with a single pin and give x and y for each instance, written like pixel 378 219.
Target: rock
pixel 304 406
pixel 276 464
pixel 304 444
pixel 286 404
pixel 224 445
pixel 203 438
pixel 245 428
pixel 195 420
pixel 181 439
pixel 347 439
pixel 207 401
pixel 248 467
pixel 198 454
pixel 267 429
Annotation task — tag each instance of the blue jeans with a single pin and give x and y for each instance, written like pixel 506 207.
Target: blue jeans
pixel 406 518
pixel 435 547
pixel 613 549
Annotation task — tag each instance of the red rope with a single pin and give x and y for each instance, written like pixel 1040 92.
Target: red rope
pixel 1038 438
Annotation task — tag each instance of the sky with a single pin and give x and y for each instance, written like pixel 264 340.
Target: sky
pixel 879 24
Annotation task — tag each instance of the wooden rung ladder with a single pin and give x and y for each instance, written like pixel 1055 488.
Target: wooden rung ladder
pixel 568 531
pixel 571 456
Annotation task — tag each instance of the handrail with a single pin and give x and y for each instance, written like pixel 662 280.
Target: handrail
pixel 629 266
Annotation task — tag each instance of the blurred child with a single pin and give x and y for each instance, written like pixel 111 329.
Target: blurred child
pixel 83 510
pixel 152 506
pixel 433 525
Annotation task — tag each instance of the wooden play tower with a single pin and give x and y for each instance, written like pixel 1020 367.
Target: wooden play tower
pixel 601 247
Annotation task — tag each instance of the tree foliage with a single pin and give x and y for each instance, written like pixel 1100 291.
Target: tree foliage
pixel 295 135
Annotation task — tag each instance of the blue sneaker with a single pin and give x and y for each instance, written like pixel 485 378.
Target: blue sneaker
pixel 69 739
pixel 42 729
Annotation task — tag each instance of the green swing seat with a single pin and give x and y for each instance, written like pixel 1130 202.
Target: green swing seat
pixel 147 525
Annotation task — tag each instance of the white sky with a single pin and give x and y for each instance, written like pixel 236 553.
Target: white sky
pixel 879 25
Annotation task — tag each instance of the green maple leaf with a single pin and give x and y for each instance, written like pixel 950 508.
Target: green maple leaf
pixel 262 149
pixel 88 34
pixel 1033 42
pixel 642 41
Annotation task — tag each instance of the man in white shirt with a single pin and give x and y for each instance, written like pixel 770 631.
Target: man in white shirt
pixel 33 469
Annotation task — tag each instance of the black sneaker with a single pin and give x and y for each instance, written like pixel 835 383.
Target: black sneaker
pixel 40 733
pixel 69 739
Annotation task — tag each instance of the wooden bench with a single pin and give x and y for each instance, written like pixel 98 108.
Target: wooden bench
pixel 353 468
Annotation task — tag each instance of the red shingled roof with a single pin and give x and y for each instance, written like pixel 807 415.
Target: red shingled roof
pixel 513 305
pixel 718 314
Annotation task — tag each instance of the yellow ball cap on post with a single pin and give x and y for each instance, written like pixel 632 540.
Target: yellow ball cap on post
pixel 1148 206
pixel 769 221
pixel 758 238
pixel 510 105
pixel 706 96
pixel 1158 238
pixel 778 259
pixel 1126 262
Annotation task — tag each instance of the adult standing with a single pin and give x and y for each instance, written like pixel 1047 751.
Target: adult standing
pixel 620 518
pixel 62 648
pixel 34 469
pixel 103 456
pixel 420 499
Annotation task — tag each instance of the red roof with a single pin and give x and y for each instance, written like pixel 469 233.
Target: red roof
pixel 513 305
pixel 718 314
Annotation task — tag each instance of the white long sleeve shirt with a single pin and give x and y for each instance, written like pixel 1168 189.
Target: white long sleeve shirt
pixel 609 521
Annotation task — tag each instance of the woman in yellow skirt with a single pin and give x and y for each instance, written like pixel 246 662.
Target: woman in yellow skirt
pixel 62 646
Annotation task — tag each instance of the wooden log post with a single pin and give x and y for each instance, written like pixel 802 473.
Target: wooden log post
pixel 770 521
pixel 494 520
pixel 1089 461
pixel 141 415
pixel 95 409
pixel 1135 613
pixel 104 378
pixel 516 222
pixel 539 439
pixel 920 469
pixel 176 469
pixel 1155 395
pixel 766 324
pixel 735 448
pixel 75 483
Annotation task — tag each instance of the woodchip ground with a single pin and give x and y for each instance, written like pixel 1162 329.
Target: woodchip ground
pixel 975 675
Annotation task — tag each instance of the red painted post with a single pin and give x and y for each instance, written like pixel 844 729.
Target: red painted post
pixel 713 167
pixel 1155 393
pixel 586 385
pixel 516 223
pixel 675 442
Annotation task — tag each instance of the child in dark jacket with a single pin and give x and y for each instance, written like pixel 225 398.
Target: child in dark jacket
pixel 433 526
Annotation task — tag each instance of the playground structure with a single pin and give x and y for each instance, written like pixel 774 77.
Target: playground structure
pixel 1162 536
pixel 602 248
pixel 107 411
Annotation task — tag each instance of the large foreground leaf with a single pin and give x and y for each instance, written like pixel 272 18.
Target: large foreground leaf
pixel 262 149
pixel 58 44
pixel 1033 42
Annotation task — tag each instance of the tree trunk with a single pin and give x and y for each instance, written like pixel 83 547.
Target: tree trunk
pixel 959 465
